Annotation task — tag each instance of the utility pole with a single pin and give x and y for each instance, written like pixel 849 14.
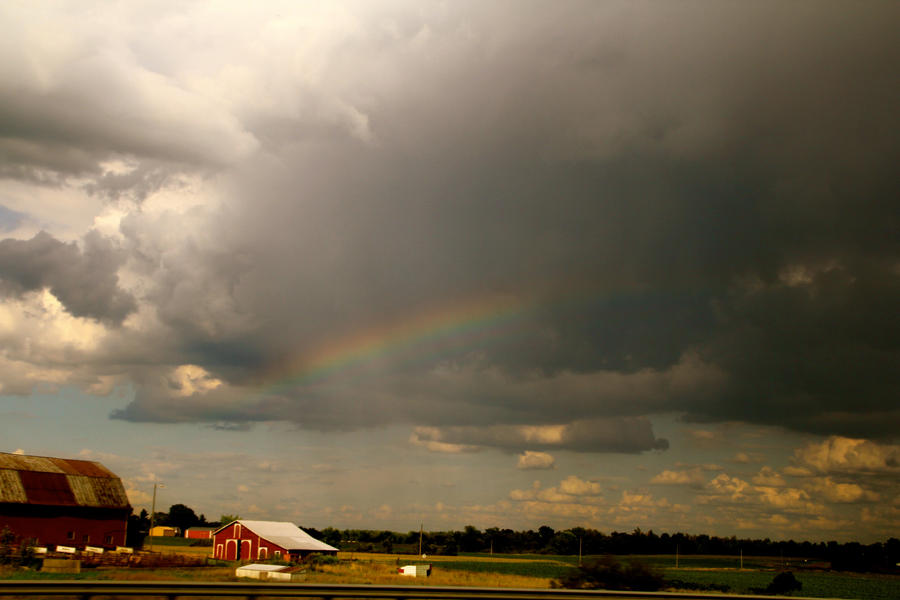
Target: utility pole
pixel 676 556
pixel 421 528
pixel 579 550
pixel 153 512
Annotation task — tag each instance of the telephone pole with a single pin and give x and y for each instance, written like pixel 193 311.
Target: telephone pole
pixel 153 512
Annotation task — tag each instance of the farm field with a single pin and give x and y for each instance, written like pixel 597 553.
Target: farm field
pixel 757 572
pixel 523 571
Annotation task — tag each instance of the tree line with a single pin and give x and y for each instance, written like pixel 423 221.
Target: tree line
pixel 853 556
pixel 850 556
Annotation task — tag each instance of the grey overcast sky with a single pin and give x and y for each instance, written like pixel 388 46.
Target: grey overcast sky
pixel 368 264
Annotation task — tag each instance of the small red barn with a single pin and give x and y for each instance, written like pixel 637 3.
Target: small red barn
pixel 62 501
pixel 259 540
pixel 199 533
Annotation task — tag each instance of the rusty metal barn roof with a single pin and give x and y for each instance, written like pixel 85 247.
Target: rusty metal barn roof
pixel 59 482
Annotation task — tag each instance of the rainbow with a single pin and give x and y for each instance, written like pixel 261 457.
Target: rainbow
pixel 418 337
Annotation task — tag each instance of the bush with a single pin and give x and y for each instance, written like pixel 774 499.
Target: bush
pixel 680 584
pixel 322 559
pixel 15 552
pixel 783 583
pixel 608 574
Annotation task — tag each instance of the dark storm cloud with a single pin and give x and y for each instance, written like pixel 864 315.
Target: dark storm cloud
pixel 84 281
pixel 51 135
pixel 625 435
pixel 135 184
pixel 75 98
pixel 818 355
pixel 700 198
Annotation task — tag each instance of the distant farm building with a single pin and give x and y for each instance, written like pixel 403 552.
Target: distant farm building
pixel 199 533
pixel 163 531
pixel 59 501
pixel 259 540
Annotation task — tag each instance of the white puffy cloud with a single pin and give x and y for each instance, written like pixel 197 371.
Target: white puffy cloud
pixel 732 487
pixel 842 492
pixel 82 99
pixel 849 455
pixel 795 471
pixel 187 380
pixel 572 489
pixel 535 460
pixel 579 487
pixel 746 458
pixel 136 496
pixel 789 499
pixel 691 477
pixel 770 477
pixel 429 438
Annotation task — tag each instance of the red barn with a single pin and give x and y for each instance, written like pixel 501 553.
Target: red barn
pixel 259 540
pixel 199 533
pixel 62 501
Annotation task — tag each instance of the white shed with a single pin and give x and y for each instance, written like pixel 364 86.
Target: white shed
pixel 270 572
pixel 415 570
pixel 257 571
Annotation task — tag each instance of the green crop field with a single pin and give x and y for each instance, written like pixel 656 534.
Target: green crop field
pixel 815 584
pixel 757 573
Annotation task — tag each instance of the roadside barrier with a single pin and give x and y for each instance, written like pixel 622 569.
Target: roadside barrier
pixel 85 590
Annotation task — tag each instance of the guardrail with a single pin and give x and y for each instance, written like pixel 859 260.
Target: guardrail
pixel 85 590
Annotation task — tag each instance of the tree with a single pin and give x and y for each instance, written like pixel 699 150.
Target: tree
pixel 182 517
pixel 226 519
pixel 137 529
pixel 545 534
pixel 564 542
pixel 470 540
pixel 331 536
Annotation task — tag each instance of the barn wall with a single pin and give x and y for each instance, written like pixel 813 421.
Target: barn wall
pixel 225 545
pixel 65 525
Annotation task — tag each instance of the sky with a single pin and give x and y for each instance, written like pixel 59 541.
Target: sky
pixel 383 264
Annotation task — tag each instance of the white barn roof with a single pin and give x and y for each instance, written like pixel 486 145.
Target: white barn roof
pixel 284 534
